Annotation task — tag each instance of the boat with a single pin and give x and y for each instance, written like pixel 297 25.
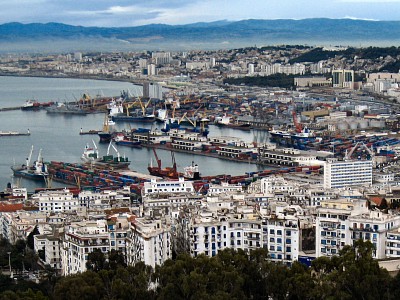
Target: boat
pixel 38 171
pixel 225 121
pixel 108 161
pixel 90 154
pixel 62 108
pixel 297 140
pixel 107 132
pixel 169 172
pixel 191 172
pixel 136 118
pixel 31 105
pixel 115 107
pixel 121 139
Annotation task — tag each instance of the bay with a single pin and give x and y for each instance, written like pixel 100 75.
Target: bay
pixel 58 135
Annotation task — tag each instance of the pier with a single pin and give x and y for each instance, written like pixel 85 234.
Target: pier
pixel 10 108
pixel 14 133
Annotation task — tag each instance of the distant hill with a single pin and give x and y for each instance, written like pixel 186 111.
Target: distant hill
pixel 213 35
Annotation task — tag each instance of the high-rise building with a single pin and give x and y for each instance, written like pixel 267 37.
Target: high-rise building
pixel 343 79
pixel 251 68
pixel 338 174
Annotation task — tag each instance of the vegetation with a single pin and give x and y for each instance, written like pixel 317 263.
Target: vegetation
pixel 229 275
pixel 275 80
pixel 318 54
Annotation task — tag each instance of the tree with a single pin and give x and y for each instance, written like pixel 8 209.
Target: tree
pixel 31 239
pixel 96 261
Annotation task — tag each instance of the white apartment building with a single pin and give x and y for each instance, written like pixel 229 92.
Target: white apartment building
pixel 81 238
pixel 332 224
pixel 167 186
pixel 224 187
pixel 51 245
pixel 210 234
pixel 374 226
pixel 393 243
pixel 56 201
pixel 338 174
pixel 281 236
pixel 272 184
pixel 148 240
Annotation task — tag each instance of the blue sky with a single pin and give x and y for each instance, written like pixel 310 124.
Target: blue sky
pixel 139 12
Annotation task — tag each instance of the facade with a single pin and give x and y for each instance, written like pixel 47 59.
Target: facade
pixel 338 174
pixel 56 201
pixel 333 226
pixel 343 79
pixel 172 186
pixel 148 240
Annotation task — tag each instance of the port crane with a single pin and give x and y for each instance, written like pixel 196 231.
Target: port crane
pixel 350 153
pixel 297 125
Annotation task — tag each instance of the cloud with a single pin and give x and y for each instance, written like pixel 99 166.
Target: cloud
pixel 362 19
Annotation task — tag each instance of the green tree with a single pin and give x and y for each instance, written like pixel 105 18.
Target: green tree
pixel 96 261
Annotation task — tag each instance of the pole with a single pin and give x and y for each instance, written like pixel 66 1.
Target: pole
pixel 9 263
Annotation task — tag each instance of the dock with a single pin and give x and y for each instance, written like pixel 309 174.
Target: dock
pixel 14 133
pixel 92 131
pixel 10 108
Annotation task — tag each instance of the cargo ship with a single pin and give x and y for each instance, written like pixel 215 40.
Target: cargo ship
pixel 169 172
pixel 90 156
pixel 38 171
pixel 297 140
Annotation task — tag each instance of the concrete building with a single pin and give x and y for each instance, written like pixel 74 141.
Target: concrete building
pixel 338 174
pixel 149 241
pixel 332 224
pixel 343 79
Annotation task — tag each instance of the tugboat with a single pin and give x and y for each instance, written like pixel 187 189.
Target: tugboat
pixel 38 171
pixel 31 105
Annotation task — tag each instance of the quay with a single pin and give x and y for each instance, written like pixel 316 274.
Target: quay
pixel 14 133
pixel 167 147
pixel 92 131
pixel 10 108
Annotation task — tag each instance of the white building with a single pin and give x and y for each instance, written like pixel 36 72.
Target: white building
pixel 82 238
pixel 56 201
pixel 168 186
pixel 281 236
pixel 374 227
pixel 332 224
pixel 148 240
pixel 338 174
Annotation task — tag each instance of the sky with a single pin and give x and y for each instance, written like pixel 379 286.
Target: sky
pixel 125 13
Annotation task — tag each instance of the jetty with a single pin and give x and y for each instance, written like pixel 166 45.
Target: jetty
pixel 14 133
pixel 92 131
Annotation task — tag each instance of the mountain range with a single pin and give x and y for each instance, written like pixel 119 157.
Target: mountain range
pixel 214 35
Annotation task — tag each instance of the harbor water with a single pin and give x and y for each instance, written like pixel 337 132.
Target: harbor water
pixel 58 135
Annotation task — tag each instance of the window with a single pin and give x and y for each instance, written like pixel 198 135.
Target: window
pixel 288 241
